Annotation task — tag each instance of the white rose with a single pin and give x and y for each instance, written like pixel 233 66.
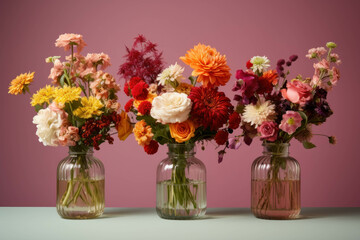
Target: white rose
pixel 171 107
pixel 171 76
pixel 48 125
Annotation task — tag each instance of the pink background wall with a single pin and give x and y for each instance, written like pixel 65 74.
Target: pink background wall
pixel 239 29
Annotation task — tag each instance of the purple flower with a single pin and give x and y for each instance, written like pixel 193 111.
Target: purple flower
pixel 323 109
pixel 280 62
pixel 288 63
pixel 234 143
pixel 293 58
pixel 221 156
pixel 320 93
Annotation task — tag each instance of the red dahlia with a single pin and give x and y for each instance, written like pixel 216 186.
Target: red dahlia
pixel 128 105
pixel 139 91
pixel 210 105
pixel 234 120
pixel 152 148
pixel 221 137
pixel 144 108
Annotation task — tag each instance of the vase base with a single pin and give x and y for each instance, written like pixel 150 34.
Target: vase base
pixel 180 214
pixel 276 214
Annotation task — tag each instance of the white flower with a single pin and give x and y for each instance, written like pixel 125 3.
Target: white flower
pixel 171 107
pixel 48 125
pixel 260 64
pixel 257 114
pixel 171 76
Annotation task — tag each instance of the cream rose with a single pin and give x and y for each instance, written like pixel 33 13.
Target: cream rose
pixel 171 107
pixel 48 123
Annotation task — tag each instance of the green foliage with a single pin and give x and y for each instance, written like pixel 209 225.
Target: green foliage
pixel 308 145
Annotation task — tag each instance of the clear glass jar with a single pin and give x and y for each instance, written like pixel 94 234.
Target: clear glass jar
pixel 275 183
pixel 181 184
pixel 80 185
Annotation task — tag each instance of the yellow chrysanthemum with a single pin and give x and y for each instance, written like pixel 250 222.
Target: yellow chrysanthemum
pixel 43 95
pixel 20 83
pixel 67 94
pixel 89 106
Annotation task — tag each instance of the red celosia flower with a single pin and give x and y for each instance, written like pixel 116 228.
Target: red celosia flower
pixel 152 148
pixel 133 81
pixel 142 60
pixel 210 105
pixel 248 64
pixel 145 107
pixel 221 137
pixel 234 120
pixel 264 86
pixel 129 105
pixel 139 91
pixel 126 89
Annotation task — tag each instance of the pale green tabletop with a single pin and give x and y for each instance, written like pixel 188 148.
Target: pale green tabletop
pixel 221 224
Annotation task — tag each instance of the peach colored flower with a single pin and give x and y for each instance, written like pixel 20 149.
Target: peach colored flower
pixel 94 59
pixel 68 136
pixel 184 88
pixel 56 71
pixel 68 39
pixel 208 65
pixel 102 85
pixel 143 133
pixel 297 92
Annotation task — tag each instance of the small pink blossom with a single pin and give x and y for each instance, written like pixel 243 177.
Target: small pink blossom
pixel 335 76
pixel 153 88
pixel 65 41
pixel 68 136
pixel 234 143
pixel 323 64
pixel 102 85
pixel 98 58
pixel 316 52
pixel 112 104
pixel 290 122
pixel 268 131
pixel 56 71
pixel 297 92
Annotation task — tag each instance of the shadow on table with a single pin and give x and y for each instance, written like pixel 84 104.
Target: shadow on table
pixel 123 212
pixel 313 213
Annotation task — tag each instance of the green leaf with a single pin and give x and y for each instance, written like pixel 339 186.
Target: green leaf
pixel 308 145
pixel 82 88
pixel 304 117
pixel 193 80
pixel 38 107
pixel 62 80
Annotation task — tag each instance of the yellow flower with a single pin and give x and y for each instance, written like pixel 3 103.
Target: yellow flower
pixel 184 88
pixel 20 83
pixel 90 106
pixel 124 127
pixel 67 94
pixel 43 95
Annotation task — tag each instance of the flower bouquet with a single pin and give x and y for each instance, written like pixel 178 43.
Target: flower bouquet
pixel 277 110
pixel 78 110
pixel 171 111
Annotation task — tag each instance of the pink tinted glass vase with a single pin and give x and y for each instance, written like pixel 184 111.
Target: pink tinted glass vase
pixel 275 184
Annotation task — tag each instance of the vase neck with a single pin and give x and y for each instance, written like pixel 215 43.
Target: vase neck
pixel 276 149
pixel 181 150
pixel 80 150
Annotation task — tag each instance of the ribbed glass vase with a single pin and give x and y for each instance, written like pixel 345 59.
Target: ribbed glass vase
pixel 275 183
pixel 80 185
pixel 181 184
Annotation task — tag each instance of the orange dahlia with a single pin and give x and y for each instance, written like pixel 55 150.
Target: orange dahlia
pixel 271 76
pixel 208 65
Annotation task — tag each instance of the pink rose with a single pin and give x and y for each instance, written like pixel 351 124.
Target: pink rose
pixel 290 122
pixel 268 131
pixel 297 92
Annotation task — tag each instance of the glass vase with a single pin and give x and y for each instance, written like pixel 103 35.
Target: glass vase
pixel 181 184
pixel 275 183
pixel 80 185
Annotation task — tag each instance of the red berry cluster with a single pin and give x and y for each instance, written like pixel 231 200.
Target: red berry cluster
pixel 96 131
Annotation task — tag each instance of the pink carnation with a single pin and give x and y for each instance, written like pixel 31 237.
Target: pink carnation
pixel 297 92
pixel 268 131
pixel 65 41
pixel 68 136
pixel 318 52
pixel 56 71
pixel 290 122
pixel 323 64
pixel 98 58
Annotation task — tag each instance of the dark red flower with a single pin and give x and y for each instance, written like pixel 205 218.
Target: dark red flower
pixel 210 105
pixel 234 120
pixel 126 89
pixel 145 107
pixel 248 64
pixel 152 148
pixel 221 137
pixel 265 86
pixel 129 105
pixel 139 91
pixel 133 81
